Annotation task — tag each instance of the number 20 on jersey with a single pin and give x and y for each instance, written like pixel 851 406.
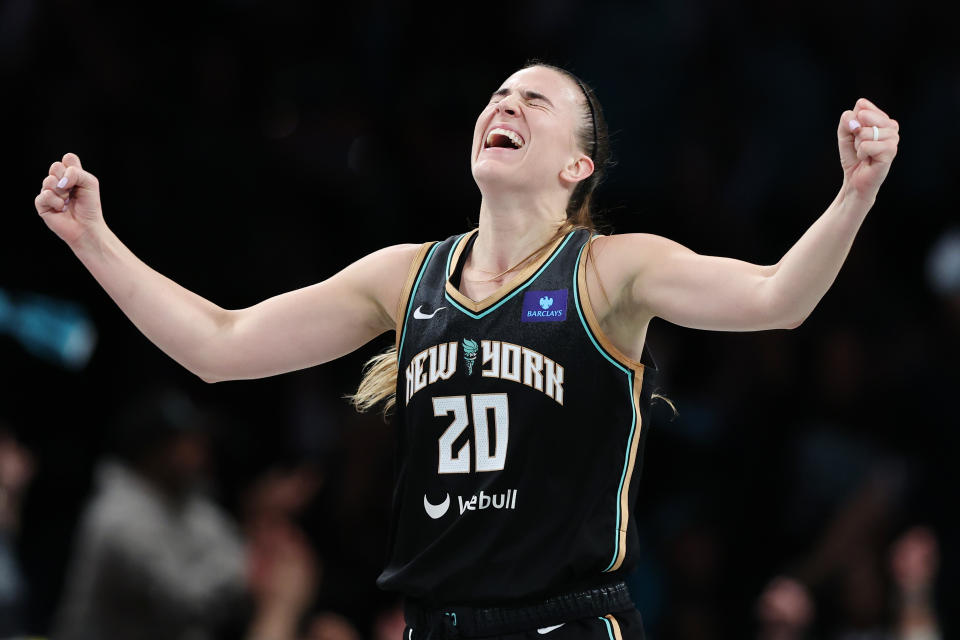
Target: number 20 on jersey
pixel 488 456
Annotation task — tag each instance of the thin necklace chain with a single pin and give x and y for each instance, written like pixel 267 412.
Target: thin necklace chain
pixel 527 259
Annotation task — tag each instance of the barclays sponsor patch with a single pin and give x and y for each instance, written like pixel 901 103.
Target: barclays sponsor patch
pixel 544 306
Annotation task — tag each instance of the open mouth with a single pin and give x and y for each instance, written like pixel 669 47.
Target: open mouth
pixel 503 139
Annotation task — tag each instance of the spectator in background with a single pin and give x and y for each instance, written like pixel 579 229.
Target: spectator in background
pixel 914 561
pixel 786 610
pixel 154 557
pixel 16 471
pixel 285 571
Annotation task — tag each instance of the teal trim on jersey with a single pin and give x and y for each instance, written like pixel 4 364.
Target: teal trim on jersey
pixel 520 287
pixel 609 628
pixel 633 406
pixel 413 292
pixel 446 270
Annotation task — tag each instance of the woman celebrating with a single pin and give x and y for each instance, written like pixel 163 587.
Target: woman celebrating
pixel 519 367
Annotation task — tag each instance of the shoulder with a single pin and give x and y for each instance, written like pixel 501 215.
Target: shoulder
pixel 397 255
pixel 389 263
pixel 385 272
pixel 621 257
pixel 628 244
pixel 615 264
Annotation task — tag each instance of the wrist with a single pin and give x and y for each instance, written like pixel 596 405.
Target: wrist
pixel 93 241
pixel 855 202
pixel 851 196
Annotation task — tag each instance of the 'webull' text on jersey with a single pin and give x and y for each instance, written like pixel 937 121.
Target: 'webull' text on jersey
pixel 520 430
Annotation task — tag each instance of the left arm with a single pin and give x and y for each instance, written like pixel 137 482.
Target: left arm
pixel 662 278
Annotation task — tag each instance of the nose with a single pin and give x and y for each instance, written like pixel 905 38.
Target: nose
pixel 507 105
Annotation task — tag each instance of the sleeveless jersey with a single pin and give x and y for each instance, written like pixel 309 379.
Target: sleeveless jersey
pixel 520 435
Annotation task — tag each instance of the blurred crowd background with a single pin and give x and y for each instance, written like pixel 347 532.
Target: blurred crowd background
pixel 245 148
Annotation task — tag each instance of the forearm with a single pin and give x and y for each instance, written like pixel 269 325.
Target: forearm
pixel 809 268
pixel 184 325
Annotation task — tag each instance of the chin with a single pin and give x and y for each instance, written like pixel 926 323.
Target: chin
pixel 496 175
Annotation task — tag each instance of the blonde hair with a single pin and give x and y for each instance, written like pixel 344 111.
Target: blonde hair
pixel 658 396
pixel 379 382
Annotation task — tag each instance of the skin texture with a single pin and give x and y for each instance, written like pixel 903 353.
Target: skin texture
pixel 524 199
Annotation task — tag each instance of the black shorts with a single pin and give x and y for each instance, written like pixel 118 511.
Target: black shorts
pixel 623 625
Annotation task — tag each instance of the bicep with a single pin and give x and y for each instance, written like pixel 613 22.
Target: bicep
pixel 698 291
pixel 318 323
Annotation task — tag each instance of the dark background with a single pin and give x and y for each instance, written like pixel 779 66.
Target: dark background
pixel 248 148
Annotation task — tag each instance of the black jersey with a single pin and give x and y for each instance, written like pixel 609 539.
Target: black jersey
pixel 521 431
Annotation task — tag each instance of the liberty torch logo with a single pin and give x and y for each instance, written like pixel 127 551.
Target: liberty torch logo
pixel 470 349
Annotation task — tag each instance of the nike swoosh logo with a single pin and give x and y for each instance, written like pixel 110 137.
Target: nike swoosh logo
pixel 420 315
pixel 546 630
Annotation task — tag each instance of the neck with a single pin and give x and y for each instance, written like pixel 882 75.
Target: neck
pixel 512 228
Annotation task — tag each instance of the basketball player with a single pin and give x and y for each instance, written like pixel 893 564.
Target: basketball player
pixel 519 365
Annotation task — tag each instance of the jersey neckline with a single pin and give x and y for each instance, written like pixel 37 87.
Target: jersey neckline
pixel 457 258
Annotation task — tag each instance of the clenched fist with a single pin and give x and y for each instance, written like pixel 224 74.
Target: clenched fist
pixel 868 140
pixel 69 201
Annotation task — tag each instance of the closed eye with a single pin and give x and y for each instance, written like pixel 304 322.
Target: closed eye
pixel 527 95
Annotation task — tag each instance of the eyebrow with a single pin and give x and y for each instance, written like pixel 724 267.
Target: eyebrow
pixel 526 93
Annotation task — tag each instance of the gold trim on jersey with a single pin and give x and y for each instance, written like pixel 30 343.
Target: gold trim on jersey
pixel 617 635
pixel 598 333
pixel 407 287
pixel 638 369
pixel 625 490
pixel 521 276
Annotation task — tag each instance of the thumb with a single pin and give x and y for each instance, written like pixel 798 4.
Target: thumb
pixel 847 138
pixel 848 127
pixel 75 176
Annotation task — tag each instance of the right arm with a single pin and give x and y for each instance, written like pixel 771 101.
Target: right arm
pixel 290 331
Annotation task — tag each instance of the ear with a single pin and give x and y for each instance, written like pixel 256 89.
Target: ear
pixel 579 169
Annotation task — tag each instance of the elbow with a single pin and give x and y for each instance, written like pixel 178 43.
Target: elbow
pixel 212 374
pixel 792 321
pixel 210 362
pixel 207 376
pixel 787 319
pixel 781 309
pixel 793 324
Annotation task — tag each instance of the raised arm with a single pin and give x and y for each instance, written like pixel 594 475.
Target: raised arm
pixel 291 331
pixel 658 277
